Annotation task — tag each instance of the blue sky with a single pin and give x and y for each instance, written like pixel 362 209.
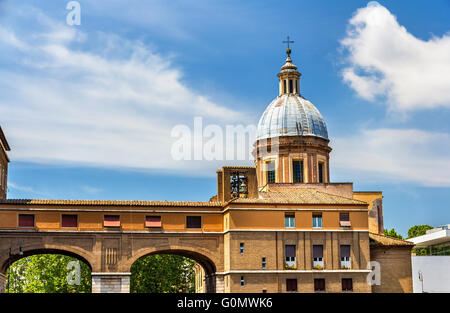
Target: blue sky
pixel 89 109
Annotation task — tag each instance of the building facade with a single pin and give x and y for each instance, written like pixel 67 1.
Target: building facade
pixel 279 226
pixel 431 265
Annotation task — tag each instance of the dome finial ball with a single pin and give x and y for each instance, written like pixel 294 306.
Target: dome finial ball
pixel 288 51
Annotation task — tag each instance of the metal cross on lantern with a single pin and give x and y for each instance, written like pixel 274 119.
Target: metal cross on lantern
pixel 288 41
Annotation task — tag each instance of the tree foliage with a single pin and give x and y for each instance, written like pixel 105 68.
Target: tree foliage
pixel 163 274
pixel 46 273
pixel 418 230
pixel 392 233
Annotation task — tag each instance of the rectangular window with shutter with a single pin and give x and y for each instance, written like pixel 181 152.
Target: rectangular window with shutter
pixel 291 284
pixel 347 284
pixel 290 255
pixel 344 220
pixel 153 221
pixel 111 221
pixel 319 284
pixel 318 256
pixel 26 220
pixel 194 222
pixel 345 256
pixel 69 221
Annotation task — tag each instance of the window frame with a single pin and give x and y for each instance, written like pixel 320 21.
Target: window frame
pixel 344 262
pixel 241 248
pixel 289 217
pixel 317 215
pixel 320 260
pixel 69 227
pixel 291 280
pixel 153 227
pixel 242 281
pixel 201 221
pixel 120 223
pixel 302 171
pixel 320 172
pixel 263 263
pixel 26 214
pixel 290 260
pixel 348 280
pixel 268 172
pixel 324 285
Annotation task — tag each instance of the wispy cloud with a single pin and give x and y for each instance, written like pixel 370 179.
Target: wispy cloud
pixel 95 99
pixel 408 155
pixel 28 191
pixel 385 60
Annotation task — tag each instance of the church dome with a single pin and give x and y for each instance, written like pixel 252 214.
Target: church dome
pixel 291 115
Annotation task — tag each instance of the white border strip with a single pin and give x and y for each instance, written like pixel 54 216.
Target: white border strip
pixel 289 271
pixel 111 274
pixel 176 232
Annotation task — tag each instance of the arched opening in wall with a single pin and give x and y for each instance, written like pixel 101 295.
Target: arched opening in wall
pixel 46 271
pixel 173 271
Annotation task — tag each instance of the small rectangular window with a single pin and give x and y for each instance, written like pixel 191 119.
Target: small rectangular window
pixel 263 263
pixel 319 284
pixel 320 172
pixel 69 221
pixel 111 221
pixel 284 86
pixel 241 248
pixel 289 220
pixel 297 168
pixel 194 222
pixel 289 251
pixel 344 220
pixel 270 169
pixel 153 221
pixel 26 220
pixel 345 256
pixel 242 281
pixel 317 220
pixel 318 256
pixel 291 86
pixel 347 284
pixel 291 284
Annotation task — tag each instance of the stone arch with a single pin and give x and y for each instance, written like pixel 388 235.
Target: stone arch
pixel 27 251
pixel 201 256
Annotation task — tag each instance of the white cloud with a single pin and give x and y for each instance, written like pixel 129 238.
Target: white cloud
pixel 409 155
pixel 385 60
pixel 113 105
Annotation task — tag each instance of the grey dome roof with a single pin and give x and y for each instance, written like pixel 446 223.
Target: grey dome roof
pixel 291 115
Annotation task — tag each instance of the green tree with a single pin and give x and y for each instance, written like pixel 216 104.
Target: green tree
pixel 392 233
pixel 46 273
pixel 163 274
pixel 418 230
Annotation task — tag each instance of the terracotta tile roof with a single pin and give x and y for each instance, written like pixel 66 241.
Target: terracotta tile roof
pixel 381 240
pixel 300 196
pixel 135 203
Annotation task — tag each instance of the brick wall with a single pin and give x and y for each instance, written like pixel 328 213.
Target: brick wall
pixel 395 268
